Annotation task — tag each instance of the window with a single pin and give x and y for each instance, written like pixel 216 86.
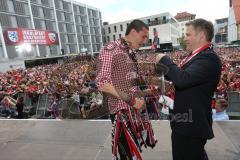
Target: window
pixel 88 47
pixel 93 39
pixel 90 13
pixel 85 30
pixel 98 47
pixel 67 18
pixel 80 40
pixel 109 30
pixel 47 13
pixel 94 13
pixel 86 39
pixel 97 30
pixel 121 27
pixel 83 20
pixel 108 39
pixel 39 24
pixel 29 23
pixel 115 29
pixel 120 36
pixel 19 7
pixel 5 21
pixel 57 4
pixel 35 11
pixel 46 2
pixel 66 6
pixel 77 19
pixel 82 10
pixel 69 28
pixel 98 39
pixel 96 22
pixel 76 9
pixel 104 40
pixel 14 21
pixel 26 9
pixel 71 38
pixel 66 38
pixel 3 5
pixel 92 30
pixel 22 22
pixel 60 4
pixel 10 6
pixel 91 22
pixel 66 49
pixel 49 25
pixel 114 37
pixel 164 19
pixel 72 48
pixel 79 29
pixel 59 18
pixel 41 12
pixel 64 27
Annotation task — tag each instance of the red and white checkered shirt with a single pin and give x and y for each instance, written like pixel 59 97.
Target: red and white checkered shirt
pixel 115 67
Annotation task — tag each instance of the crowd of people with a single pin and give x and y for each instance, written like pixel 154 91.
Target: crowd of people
pixel 77 75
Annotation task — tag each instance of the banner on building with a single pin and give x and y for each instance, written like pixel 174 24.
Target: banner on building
pixel 156 40
pixel 18 35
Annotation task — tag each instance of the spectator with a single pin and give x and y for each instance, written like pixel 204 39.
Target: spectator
pixel 20 106
pixel 219 113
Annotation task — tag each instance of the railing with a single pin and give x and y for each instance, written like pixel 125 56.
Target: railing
pixel 68 107
pixel 233 108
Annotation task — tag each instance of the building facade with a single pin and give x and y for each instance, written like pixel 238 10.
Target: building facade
pixel 234 21
pixel 183 18
pixel 163 25
pixel 221 31
pixel 77 26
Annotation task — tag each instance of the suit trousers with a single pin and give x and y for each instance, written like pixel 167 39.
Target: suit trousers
pixel 188 148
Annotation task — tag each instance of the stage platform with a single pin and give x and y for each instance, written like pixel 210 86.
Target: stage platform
pixel 90 140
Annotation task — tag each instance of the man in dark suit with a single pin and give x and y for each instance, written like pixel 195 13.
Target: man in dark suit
pixel 195 81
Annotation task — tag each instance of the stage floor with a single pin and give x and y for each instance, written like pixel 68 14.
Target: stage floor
pixel 90 140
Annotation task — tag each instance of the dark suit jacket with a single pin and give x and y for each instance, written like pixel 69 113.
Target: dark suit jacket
pixel 194 84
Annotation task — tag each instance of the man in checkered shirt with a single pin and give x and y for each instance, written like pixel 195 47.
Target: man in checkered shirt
pixel 116 71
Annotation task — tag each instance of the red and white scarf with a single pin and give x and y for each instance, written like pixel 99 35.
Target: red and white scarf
pixel 193 54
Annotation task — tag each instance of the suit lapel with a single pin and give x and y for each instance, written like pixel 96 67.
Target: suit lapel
pixel 192 60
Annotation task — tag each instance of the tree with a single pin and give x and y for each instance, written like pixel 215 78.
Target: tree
pixel 182 42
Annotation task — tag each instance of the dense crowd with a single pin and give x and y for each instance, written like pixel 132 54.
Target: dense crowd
pixel 77 76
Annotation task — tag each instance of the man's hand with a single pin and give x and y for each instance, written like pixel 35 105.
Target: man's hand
pixel 159 57
pixel 110 89
pixel 139 103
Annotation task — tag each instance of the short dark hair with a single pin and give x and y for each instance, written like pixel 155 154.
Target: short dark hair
pixel 137 25
pixel 203 25
pixel 223 103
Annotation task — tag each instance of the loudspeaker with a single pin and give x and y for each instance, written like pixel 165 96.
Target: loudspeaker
pixel 62 51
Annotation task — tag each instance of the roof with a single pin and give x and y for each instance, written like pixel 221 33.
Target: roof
pixel 236 8
pixel 184 15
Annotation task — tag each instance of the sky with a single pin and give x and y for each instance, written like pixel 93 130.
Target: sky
pixel 120 10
